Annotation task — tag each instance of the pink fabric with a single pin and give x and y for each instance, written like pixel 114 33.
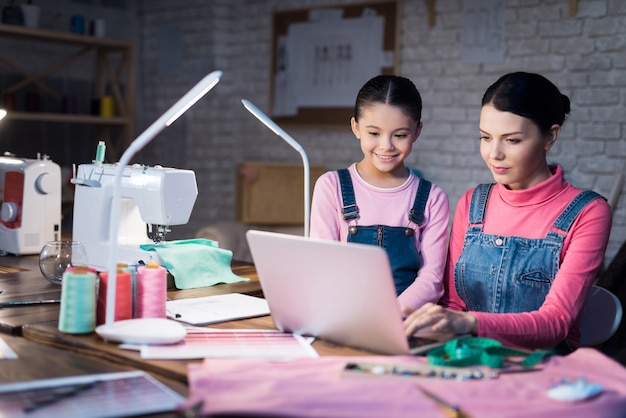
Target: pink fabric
pixel 530 213
pixel 388 207
pixel 317 388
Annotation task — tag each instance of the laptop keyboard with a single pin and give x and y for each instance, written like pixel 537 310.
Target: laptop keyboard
pixel 415 342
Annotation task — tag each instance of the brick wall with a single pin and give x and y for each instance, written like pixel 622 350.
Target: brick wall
pixel 178 42
pixel 583 54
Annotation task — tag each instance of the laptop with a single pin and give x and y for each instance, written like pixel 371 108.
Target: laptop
pixel 340 292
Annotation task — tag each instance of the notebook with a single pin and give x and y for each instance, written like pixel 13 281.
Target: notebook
pixel 341 292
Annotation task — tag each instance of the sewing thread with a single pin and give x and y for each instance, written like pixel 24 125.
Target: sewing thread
pixel 123 297
pixel 132 269
pixel 78 301
pixel 151 291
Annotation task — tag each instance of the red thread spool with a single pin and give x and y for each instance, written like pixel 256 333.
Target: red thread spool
pixel 123 297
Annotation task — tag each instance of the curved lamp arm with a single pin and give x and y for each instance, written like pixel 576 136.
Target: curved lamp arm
pixel 295 145
pixel 174 112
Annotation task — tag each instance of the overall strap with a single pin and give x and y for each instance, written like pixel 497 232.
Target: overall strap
pixel 570 213
pixel 350 210
pixel 478 204
pixel 416 215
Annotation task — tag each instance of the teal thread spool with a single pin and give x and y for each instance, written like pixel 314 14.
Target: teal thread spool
pixel 100 151
pixel 78 301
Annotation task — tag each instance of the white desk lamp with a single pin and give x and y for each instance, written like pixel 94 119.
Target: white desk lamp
pixel 295 145
pixel 144 330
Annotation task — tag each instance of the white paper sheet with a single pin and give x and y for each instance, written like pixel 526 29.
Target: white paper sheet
pixel 218 308
pixel 5 351
pixel 233 343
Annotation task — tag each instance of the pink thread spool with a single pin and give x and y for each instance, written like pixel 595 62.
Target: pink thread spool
pixel 123 297
pixel 151 291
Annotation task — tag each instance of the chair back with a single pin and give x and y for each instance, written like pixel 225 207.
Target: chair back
pixel 602 315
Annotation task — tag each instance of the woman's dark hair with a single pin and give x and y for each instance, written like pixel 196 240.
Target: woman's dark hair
pixel 393 90
pixel 529 95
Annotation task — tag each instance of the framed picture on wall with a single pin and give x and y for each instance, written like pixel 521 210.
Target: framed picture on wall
pixel 323 56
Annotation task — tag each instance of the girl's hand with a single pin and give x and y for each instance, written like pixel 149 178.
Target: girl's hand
pixel 438 319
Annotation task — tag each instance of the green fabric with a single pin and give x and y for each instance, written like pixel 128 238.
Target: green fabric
pixel 471 351
pixel 196 262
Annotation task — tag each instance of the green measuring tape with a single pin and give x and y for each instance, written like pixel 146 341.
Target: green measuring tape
pixel 471 351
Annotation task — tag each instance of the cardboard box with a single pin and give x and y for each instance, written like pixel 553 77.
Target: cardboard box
pixel 272 193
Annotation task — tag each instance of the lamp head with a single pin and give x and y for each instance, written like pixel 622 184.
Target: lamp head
pixel 265 120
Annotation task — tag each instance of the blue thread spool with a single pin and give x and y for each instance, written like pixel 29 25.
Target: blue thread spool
pixel 77 24
pixel 78 301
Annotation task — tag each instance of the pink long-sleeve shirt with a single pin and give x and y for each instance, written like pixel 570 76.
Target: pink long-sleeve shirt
pixel 388 206
pixel 530 214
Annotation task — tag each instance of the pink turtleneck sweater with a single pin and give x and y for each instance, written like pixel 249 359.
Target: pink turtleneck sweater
pixel 529 214
pixel 380 206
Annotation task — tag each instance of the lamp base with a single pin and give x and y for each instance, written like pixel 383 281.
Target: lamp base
pixel 143 331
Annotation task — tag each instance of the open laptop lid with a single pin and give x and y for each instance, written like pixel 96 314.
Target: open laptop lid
pixel 342 292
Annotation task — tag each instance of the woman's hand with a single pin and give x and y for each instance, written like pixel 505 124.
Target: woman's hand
pixel 438 319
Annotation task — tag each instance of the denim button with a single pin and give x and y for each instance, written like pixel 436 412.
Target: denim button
pixel 499 241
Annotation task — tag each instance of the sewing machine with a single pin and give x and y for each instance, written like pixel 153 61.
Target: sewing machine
pixel 151 199
pixel 30 214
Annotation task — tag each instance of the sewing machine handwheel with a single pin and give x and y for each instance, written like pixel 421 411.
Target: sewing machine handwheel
pixel 44 183
pixel 8 211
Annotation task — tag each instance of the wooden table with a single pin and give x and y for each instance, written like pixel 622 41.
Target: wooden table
pixel 39 323
pixel 42 361
pixel 47 352
pixel 21 279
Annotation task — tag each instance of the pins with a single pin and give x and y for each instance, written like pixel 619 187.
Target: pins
pixel 421 371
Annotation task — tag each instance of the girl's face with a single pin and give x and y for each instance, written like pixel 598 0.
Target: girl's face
pixel 514 148
pixel 387 135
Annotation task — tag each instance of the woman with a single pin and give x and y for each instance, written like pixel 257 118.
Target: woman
pixel 524 251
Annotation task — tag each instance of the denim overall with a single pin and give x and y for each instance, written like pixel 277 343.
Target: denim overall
pixel 506 274
pixel 399 242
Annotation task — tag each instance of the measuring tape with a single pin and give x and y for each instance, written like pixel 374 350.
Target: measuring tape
pixel 471 351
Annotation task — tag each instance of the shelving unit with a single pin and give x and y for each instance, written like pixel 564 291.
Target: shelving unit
pixel 119 78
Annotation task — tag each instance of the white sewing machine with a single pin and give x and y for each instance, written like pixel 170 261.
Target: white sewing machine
pixel 30 214
pixel 152 199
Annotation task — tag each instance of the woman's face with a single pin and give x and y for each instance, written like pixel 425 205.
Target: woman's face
pixel 514 149
pixel 387 135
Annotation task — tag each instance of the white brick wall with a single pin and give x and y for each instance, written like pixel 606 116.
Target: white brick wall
pixel 583 54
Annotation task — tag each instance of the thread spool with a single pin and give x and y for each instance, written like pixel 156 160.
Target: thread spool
pixel 77 313
pixel 100 152
pixel 106 106
pixel 133 286
pixel 151 287
pixel 123 297
pixel 77 24
pixel 97 27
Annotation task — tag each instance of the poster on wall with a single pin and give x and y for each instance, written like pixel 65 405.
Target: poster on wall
pixel 323 63
pixel 483 36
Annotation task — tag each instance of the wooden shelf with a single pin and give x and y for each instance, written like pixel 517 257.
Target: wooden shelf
pixel 52 36
pixel 115 77
pixel 67 118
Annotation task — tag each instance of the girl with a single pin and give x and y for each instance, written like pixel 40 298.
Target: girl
pixel 379 201
pixel 525 250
